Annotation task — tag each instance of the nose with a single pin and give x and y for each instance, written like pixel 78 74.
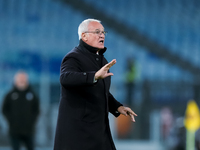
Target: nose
pixel 102 34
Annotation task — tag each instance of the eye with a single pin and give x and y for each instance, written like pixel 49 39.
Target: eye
pixel 98 31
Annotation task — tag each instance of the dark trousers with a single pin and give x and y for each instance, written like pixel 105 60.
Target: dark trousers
pixel 18 140
pixel 129 93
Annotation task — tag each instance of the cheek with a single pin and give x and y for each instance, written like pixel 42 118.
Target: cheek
pixel 93 41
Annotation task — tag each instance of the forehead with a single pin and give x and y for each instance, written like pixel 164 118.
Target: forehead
pixel 20 76
pixel 95 25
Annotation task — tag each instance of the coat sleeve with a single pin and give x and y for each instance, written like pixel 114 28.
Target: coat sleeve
pixel 71 74
pixel 6 107
pixel 35 108
pixel 113 105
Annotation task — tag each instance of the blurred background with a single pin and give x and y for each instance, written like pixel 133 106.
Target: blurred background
pixel 156 44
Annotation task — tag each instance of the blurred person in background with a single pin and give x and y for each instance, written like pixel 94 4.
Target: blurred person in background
pixel 178 134
pixel 130 77
pixel 21 109
pixel 85 98
pixel 197 139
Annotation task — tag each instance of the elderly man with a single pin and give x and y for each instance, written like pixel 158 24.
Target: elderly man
pixel 85 98
pixel 21 109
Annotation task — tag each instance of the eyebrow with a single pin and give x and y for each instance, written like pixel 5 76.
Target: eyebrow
pixel 98 30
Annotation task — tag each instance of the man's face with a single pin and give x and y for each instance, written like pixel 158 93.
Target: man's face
pixel 92 37
pixel 21 81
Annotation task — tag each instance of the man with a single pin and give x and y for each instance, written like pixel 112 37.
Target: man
pixel 21 109
pixel 85 98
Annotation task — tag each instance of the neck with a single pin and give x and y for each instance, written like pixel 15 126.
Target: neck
pixel 91 48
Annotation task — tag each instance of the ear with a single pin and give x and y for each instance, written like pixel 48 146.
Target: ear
pixel 84 36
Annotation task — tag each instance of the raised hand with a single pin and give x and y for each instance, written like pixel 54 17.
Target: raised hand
pixel 103 72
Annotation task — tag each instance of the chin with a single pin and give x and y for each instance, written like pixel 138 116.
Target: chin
pixel 101 47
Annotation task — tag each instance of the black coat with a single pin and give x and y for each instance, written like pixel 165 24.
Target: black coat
pixel 21 109
pixel 83 112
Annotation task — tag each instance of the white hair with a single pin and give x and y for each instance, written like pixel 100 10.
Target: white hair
pixel 83 27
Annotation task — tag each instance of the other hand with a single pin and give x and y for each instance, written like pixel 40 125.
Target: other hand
pixel 127 111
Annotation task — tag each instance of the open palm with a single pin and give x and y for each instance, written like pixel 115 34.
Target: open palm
pixel 103 72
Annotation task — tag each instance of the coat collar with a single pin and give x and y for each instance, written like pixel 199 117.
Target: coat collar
pixel 91 49
pixel 18 90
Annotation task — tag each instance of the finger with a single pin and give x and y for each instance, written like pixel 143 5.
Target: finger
pixel 129 111
pixel 132 113
pixel 132 118
pixel 108 74
pixel 113 61
pixel 110 64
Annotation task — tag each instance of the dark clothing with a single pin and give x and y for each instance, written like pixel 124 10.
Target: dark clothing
pixel 130 80
pixel 17 140
pixel 129 95
pixel 21 109
pixel 83 112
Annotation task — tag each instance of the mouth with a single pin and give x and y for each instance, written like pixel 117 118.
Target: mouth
pixel 101 41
